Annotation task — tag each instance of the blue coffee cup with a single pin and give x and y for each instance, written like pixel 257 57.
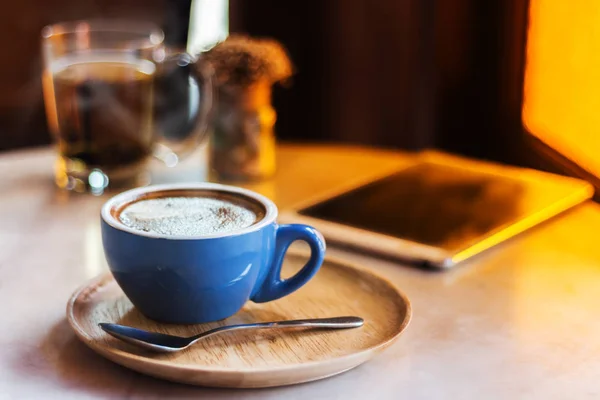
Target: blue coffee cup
pixel 188 280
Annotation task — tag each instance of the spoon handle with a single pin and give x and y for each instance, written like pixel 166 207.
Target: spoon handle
pixel 335 323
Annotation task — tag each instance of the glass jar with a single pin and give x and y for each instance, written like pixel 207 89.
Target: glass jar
pixel 243 140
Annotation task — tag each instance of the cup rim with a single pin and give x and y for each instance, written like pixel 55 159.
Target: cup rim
pixel 129 195
pixel 154 34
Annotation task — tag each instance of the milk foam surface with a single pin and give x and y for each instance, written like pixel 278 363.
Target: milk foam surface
pixel 186 216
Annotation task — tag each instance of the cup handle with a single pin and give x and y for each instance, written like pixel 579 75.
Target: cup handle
pixel 183 129
pixel 273 287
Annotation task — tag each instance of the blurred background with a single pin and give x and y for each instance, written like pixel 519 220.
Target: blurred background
pixel 499 80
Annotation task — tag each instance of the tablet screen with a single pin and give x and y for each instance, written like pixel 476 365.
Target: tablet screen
pixel 438 205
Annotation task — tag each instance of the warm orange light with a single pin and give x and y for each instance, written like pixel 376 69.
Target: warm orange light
pixel 562 79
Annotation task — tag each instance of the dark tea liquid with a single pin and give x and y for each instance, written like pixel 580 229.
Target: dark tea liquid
pixel 100 109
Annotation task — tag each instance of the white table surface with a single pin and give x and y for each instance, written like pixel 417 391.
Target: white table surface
pixel 520 322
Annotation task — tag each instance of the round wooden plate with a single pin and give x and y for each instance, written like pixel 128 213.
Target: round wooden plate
pixel 253 359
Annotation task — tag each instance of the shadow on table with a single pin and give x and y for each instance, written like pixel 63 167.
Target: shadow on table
pixel 73 367
pixel 62 358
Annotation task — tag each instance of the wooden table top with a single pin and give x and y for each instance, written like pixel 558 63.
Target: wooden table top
pixel 520 321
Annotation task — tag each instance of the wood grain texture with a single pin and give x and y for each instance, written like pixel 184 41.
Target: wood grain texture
pixel 256 359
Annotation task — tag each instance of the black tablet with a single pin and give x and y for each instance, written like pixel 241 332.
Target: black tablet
pixel 442 209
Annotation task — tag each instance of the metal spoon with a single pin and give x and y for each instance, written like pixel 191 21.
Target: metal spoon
pixel 163 343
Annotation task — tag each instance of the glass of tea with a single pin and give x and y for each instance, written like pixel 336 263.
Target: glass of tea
pixel 116 97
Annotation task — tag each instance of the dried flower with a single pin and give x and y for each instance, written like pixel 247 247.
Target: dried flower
pixel 241 61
